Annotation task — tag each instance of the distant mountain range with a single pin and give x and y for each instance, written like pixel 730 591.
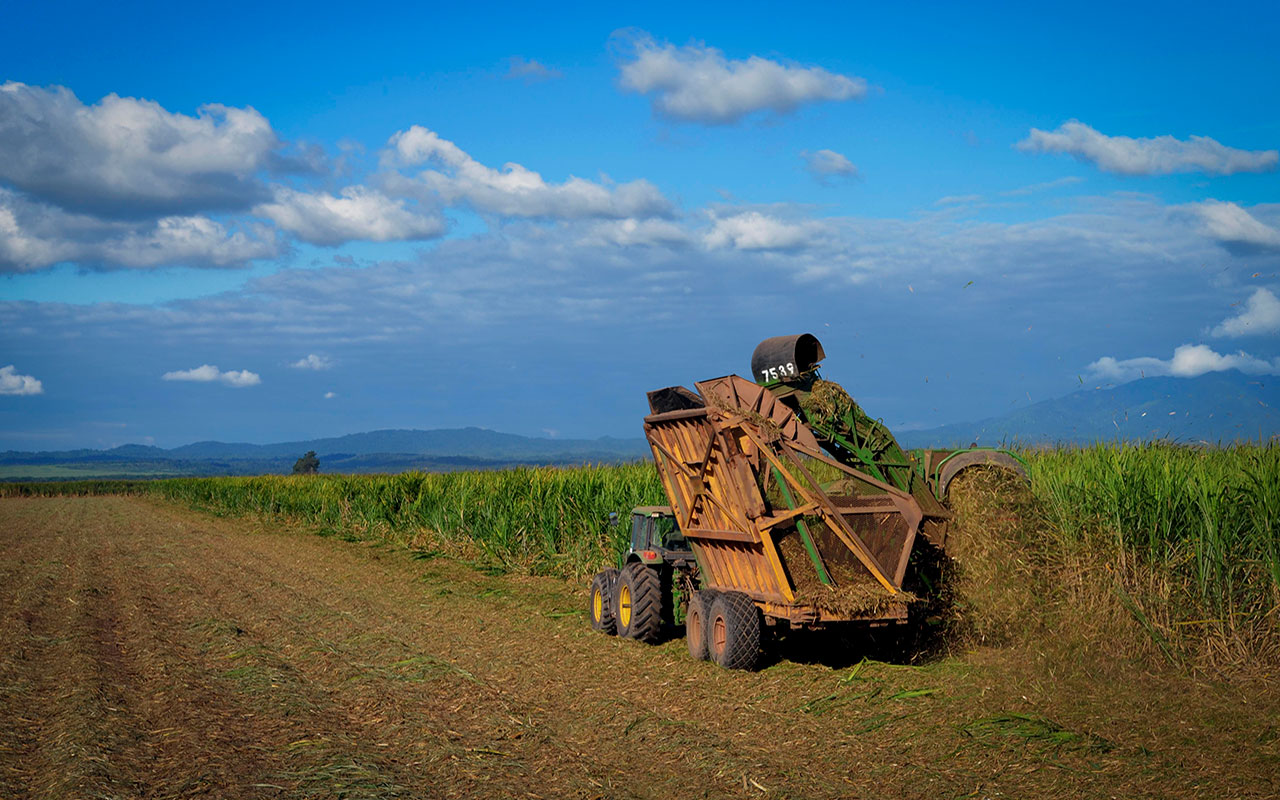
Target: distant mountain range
pixel 1214 408
pixel 376 451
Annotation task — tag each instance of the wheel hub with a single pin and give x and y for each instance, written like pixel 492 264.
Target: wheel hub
pixel 624 606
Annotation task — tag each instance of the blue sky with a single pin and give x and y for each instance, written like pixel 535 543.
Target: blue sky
pixel 266 224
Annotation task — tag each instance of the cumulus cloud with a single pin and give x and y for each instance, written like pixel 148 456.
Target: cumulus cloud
pixel 358 213
pixel 697 83
pixel 23 249
pixel 1235 226
pixel 207 373
pixel 529 71
pixel 827 164
pixel 1261 314
pixel 755 231
pixel 193 241
pixel 514 191
pixel 475 300
pixel 34 236
pixel 637 232
pixel 13 383
pixel 312 361
pixel 124 157
pixel 1160 155
pixel 1188 361
pixel 1122 258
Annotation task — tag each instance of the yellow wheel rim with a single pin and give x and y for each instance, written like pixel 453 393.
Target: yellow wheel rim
pixel 624 606
pixel 597 605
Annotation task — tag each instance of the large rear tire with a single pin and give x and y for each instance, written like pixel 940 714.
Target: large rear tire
pixel 734 630
pixel 600 605
pixel 638 603
pixel 696 624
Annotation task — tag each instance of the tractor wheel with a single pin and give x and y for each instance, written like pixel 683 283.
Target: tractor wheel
pixel 638 603
pixel 696 623
pixel 600 606
pixel 734 631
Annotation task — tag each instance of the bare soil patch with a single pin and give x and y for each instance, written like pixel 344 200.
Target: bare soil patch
pixel 151 652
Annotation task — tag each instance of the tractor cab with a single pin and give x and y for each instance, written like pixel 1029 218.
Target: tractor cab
pixel 655 537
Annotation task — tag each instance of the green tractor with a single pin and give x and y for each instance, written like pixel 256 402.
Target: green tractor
pixel 657 572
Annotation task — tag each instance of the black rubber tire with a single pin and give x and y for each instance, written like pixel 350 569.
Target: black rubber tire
pixel 602 585
pixel 734 631
pixel 644 587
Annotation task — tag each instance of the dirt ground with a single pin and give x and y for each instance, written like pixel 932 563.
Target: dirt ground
pixel 152 652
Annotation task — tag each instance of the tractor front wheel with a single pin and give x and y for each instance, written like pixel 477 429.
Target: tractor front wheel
pixel 638 603
pixel 600 606
pixel 734 631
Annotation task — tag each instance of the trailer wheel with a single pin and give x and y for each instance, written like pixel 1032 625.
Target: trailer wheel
pixel 695 623
pixel 734 631
pixel 600 605
pixel 638 603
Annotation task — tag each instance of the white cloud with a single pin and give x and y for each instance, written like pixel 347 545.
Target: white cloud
pixel 34 236
pixel 1069 180
pixel 125 157
pixel 958 200
pixel 15 384
pixel 417 145
pixel 529 71
pixel 208 373
pixel 1261 314
pixel 313 361
pixel 1233 225
pixel 515 191
pixel 755 231
pixel 21 249
pixel 697 83
pixel 643 232
pixel 1188 361
pixel 358 214
pixel 826 164
pixel 1126 259
pixel 1160 155
pixel 194 241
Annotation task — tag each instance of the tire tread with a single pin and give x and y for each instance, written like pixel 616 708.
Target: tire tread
pixel 646 603
pixel 742 629
pixel 606 580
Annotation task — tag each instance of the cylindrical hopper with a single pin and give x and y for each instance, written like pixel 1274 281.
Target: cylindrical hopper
pixel 785 357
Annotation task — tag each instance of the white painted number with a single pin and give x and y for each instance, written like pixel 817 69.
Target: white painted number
pixel 779 372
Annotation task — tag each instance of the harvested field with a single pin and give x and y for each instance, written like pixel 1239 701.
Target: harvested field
pixel 154 652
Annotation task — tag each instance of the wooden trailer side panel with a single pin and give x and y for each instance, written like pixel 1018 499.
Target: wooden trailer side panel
pixel 716 501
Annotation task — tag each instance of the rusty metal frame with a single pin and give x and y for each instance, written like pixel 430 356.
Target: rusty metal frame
pixel 718 502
